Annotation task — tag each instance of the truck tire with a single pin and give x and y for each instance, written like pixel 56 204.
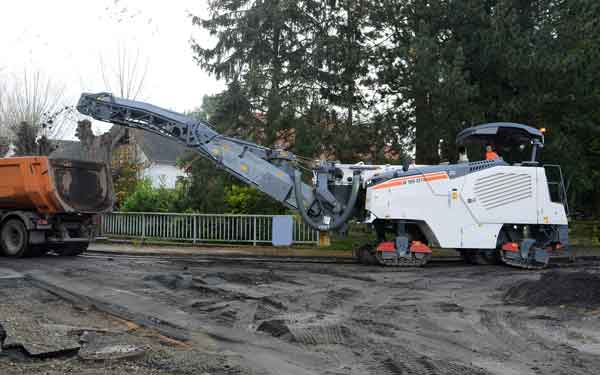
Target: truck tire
pixel 14 238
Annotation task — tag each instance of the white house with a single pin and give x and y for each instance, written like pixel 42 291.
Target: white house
pixel 158 157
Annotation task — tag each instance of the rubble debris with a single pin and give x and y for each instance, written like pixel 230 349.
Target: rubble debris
pixel 450 307
pixel 580 289
pixel 111 352
pixel 276 328
pixel 77 330
pixel 35 339
pixel 99 347
pixel 180 280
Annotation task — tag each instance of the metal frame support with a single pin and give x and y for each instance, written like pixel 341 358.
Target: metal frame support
pixel 254 231
pixel 195 224
pixel 143 227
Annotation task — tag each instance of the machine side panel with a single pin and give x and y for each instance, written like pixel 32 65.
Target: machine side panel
pixel 422 200
pixel 458 219
pixel 502 194
pixel 479 236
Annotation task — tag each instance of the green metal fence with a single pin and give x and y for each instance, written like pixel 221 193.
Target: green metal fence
pixel 199 228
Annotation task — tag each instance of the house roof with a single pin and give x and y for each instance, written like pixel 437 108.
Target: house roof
pixel 159 149
pixel 66 149
pixel 155 147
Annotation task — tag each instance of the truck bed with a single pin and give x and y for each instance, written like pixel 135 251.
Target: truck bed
pixel 53 186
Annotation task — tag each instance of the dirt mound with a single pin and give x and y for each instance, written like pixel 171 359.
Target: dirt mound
pixel 581 289
pixel 276 328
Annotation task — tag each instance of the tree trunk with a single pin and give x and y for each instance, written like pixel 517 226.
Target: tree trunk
pixel 274 101
pixel 427 139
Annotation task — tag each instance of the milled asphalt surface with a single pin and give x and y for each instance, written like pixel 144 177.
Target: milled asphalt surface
pixel 192 315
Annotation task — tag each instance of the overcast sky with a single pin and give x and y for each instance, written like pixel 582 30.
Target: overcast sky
pixel 66 39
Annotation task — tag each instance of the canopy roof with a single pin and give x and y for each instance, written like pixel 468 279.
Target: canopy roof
pixel 499 132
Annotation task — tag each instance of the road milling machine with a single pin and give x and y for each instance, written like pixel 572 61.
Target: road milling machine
pixel 489 210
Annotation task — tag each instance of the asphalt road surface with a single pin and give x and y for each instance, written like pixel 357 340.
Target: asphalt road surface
pixel 198 315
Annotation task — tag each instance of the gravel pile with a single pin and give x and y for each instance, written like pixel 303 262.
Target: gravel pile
pixel 581 289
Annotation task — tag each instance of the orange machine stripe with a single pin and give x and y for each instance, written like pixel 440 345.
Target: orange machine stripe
pixel 433 178
pixel 399 179
pixel 402 180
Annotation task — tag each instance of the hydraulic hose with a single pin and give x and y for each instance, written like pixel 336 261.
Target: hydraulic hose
pixel 341 219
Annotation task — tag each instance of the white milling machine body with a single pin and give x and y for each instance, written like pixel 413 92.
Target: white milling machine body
pixel 487 210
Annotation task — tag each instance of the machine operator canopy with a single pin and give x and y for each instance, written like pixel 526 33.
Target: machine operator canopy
pixel 504 133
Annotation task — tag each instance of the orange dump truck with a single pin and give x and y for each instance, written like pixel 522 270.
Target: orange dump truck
pixel 50 204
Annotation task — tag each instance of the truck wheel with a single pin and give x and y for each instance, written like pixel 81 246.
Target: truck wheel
pixel 15 238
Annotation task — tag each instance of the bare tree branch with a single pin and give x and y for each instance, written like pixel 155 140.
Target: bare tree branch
pixel 32 99
pixel 127 76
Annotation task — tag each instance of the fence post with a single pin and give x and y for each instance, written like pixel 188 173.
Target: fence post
pixel 324 239
pixel 195 224
pixel 143 226
pixel 254 235
pixel 99 228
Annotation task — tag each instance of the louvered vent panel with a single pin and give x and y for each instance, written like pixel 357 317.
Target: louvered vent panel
pixel 501 189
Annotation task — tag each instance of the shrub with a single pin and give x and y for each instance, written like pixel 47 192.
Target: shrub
pixel 248 200
pixel 146 198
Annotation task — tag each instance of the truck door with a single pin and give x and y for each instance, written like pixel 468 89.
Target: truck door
pixel 551 196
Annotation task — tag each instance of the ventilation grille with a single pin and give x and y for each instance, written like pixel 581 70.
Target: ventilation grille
pixel 475 166
pixel 501 189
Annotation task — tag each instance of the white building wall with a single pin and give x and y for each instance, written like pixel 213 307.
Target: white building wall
pixel 162 175
pixel 159 173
